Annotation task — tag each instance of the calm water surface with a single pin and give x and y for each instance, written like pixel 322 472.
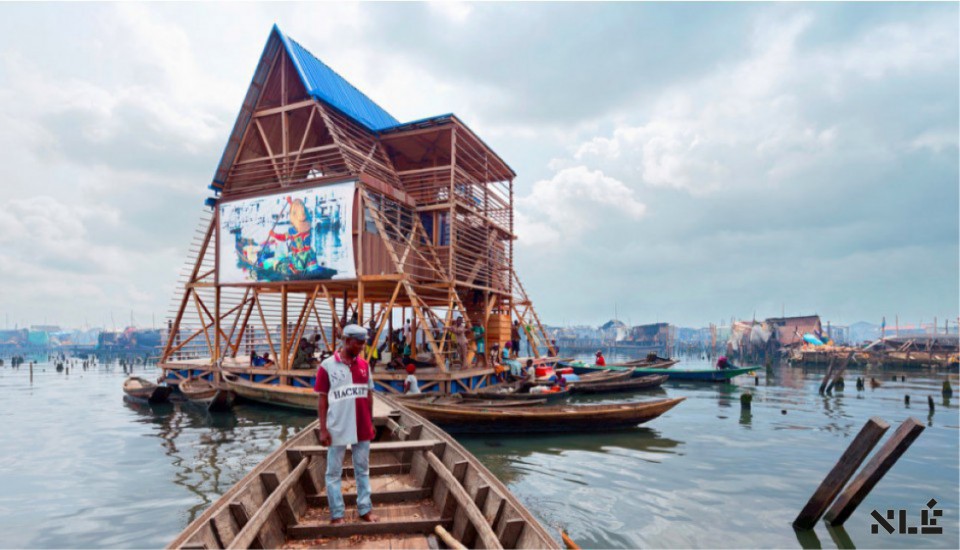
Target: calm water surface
pixel 82 468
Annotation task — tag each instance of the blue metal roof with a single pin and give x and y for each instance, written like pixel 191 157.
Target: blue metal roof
pixel 325 84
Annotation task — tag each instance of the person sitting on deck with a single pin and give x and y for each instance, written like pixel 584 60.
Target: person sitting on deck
pixel 601 362
pixel 345 413
pixel 395 363
pixel 561 381
pixel 267 362
pixel 304 358
pixel 529 372
pixel 724 363
pixel 255 360
pixel 500 372
pixel 410 384
pixel 505 353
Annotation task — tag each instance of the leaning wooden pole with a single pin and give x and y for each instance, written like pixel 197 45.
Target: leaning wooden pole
pixel 842 471
pixel 874 471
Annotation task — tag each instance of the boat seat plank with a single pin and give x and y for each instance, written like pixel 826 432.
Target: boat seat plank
pixel 381 469
pixel 387 446
pixel 370 542
pixel 407 518
pixel 378 497
pixel 385 490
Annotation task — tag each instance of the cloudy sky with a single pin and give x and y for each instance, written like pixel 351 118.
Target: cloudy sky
pixel 679 162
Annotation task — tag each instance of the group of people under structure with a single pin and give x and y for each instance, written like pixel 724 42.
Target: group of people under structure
pixel 468 345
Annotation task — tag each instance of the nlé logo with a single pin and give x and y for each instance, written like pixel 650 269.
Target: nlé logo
pixel 928 521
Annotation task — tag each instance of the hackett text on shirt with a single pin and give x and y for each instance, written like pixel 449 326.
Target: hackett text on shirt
pixel 352 391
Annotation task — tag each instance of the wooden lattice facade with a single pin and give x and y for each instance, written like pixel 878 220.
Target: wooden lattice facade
pixel 432 236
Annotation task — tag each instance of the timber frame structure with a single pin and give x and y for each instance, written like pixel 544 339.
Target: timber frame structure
pixel 432 234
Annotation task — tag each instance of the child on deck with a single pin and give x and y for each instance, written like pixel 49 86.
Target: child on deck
pixel 410 385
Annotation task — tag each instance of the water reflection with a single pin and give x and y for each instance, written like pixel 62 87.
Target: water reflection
pixel 840 537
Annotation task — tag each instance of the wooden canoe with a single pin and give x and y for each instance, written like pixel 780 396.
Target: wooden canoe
pixel 421 478
pixel 658 363
pixel 271 394
pixel 588 368
pixel 458 399
pixel 516 390
pixel 701 375
pixel 630 384
pixel 549 418
pixel 704 375
pixel 206 394
pixel 144 390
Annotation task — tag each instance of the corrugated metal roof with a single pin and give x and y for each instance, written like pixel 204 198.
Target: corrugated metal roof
pixel 325 84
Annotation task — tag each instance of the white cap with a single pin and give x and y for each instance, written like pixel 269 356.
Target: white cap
pixel 356 332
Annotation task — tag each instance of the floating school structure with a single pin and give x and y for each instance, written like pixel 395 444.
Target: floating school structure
pixel 329 210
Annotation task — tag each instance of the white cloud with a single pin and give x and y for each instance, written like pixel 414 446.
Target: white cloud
pixel 747 125
pixel 574 200
pixel 453 10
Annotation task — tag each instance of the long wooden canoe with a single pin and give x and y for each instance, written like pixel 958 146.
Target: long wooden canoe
pixel 421 478
pixel 516 390
pixel 206 394
pixel 549 418
pixel 143 390
pixel 631 384
pixel 271 394
pixel 659 364
pixel 702 375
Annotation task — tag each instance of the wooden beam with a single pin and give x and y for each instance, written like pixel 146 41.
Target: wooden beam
pixel 873 472
pixel 263 319
pixel 842 471
pixel 239 513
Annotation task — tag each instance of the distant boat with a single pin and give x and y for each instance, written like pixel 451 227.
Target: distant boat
pixel 203 392
pixel 619 386
pixel 516 390
pixel 544 418
pixel 703 375
pixel 143 390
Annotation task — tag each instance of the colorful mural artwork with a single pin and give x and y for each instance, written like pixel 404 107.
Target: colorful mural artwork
pixel 291 236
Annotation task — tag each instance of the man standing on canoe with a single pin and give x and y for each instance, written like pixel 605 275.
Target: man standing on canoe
pixel 345 411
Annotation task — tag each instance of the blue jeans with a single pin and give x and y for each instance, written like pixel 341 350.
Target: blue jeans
pixel 361 470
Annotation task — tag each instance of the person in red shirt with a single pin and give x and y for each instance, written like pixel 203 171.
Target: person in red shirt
pixel 601 362
pixel 345 413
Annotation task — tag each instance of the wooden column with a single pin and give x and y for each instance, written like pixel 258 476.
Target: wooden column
pixel 282 360
pixel 842 471
pixel 874 471
pixel 216 325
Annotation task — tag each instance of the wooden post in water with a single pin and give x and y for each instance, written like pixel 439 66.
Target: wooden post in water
pixel 840 370
pixel 843 470
pixel 873 472
pixel 826 377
